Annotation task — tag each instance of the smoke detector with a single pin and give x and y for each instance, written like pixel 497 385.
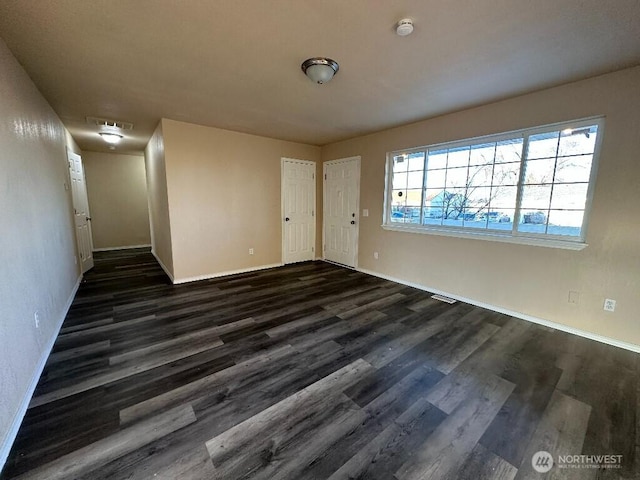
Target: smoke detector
pixel 404 27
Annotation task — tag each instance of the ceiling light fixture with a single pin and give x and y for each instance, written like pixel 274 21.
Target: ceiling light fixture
pixel 320 69
pixel 111 138
pixel 404 27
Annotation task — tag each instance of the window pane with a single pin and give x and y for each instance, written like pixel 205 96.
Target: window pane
pixel 482 154
pixel 400 163
pixel 503 197
pixel 506 174
pixel 471 218
pixel 569 196
pixel 398 197
pixel 500 219
pixel 437 159
pixel 481 175
pixel 574 169
pixel 433 196
pixel 453 202
pixel 456 177
pixel 565 222
pixel 534 221
pixel 543 145
pixel 509 150
pixel 435 178
pixel 416 161
pixel 412 214
pixel 539 171
pixel 478 198
pixel 405 206
pixel 578 141
pixel 536 197
pixel 399 181
pixel 398 200
pixel 433 206
pixel 414 197
pixel 432 215
pixel 458 157
pixel 415 180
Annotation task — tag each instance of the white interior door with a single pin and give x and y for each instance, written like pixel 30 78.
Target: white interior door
pixel 298 210
pixel 340 213
pixel 81 215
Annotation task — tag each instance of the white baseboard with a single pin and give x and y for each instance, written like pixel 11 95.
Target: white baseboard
pixel 224 274
pixel 163 266
pixel 7 441
pixel 523 316
pixel 124 247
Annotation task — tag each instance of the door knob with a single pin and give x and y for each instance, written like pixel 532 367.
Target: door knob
pixel 353 222
pixel 88 218
pixel 286 219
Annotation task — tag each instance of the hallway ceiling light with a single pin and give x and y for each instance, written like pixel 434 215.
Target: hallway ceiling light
pixel 320 69
pixel 110 137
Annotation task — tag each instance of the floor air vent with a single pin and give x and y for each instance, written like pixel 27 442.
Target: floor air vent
pixel 442 298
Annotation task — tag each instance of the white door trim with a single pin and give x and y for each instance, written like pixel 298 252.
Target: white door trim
pixel 283 160
pixel 357 160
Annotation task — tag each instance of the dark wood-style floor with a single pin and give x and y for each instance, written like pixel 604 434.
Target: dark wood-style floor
pixel 312 371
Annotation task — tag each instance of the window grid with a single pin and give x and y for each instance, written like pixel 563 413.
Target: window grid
pixel 476 204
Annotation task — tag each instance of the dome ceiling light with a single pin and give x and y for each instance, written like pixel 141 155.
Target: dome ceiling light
pixel 111 138
pixel 320 69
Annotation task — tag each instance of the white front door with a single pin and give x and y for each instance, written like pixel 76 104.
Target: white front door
pixel 340 213
pixel 298 210
pixel 81 215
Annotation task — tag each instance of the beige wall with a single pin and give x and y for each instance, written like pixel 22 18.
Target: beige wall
pixel 37 243
pixel 531 280
pixel 224 197
pixel 158 200
pixel 117 191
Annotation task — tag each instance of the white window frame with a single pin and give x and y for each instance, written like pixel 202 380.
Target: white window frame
pixel 513 236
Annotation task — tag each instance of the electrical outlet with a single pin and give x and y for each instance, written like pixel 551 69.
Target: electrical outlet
pixel 36 317
pixel 251 251
pixel 609 305
pixel 574 297
pixel 375 255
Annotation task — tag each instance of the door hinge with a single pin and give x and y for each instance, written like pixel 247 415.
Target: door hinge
pixel 313 176
pixel 312 250
pixel 325 176
pixel 324 247
pixel 313 213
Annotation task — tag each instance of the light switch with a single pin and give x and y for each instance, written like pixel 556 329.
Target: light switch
pixel 365 212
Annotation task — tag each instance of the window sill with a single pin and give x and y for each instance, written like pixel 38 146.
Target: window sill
pixel 492 237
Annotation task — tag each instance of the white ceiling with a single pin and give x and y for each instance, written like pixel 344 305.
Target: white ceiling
pixel 235 64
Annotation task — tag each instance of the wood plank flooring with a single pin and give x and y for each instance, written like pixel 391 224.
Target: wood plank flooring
pixel 313 371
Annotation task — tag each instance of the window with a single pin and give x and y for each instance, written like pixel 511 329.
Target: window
pixel 530 186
